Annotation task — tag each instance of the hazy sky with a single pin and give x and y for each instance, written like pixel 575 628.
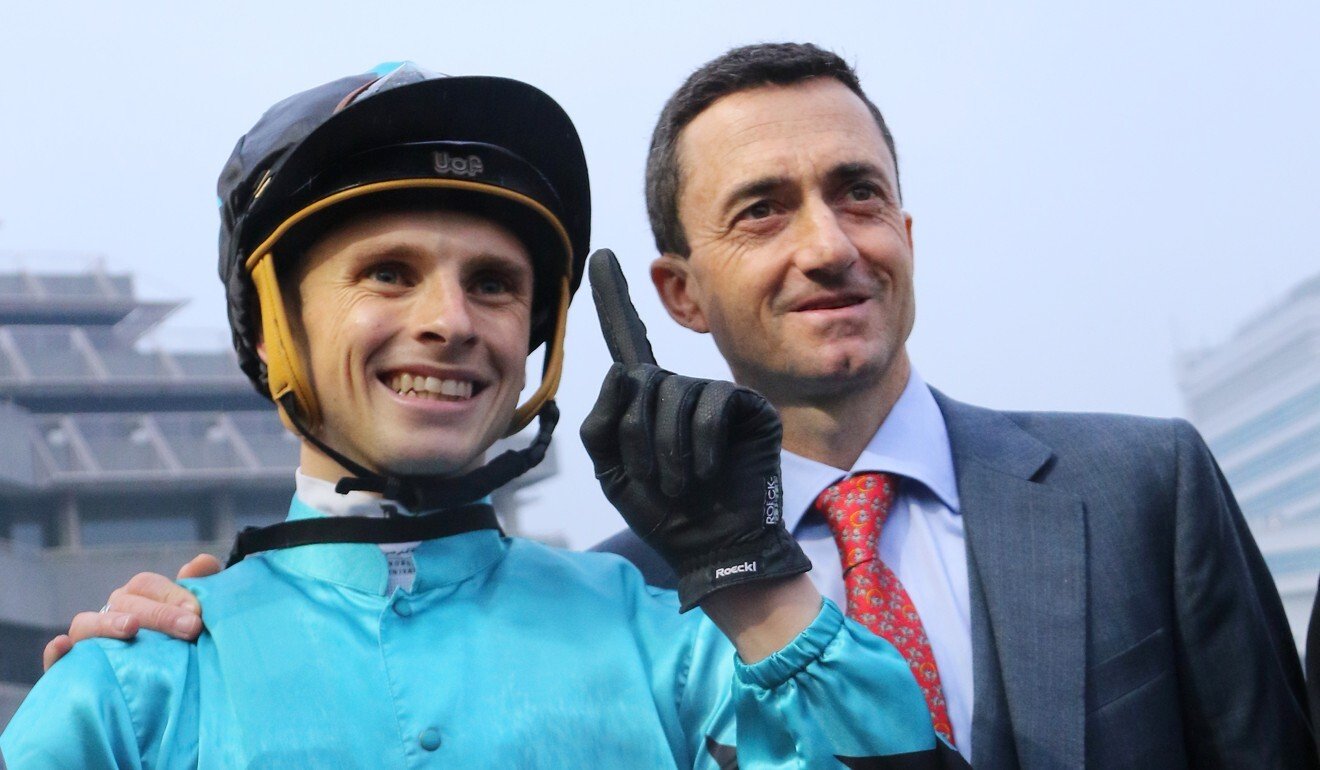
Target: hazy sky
pixel 1093 190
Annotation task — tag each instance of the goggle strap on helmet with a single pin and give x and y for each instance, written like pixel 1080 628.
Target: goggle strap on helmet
pixel 430 493
pixel 412 184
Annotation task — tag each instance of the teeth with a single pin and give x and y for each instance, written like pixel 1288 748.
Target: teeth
pixel 428 387
pixel 453 388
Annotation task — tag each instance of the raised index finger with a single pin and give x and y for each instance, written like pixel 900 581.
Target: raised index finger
pixel 625 334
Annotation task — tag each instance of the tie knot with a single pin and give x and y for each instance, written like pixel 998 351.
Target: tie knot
pixel 855 508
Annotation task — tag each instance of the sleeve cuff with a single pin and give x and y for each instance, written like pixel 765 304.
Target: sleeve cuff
pixel 805 649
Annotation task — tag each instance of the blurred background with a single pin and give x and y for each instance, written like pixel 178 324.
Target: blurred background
pixel 1114 211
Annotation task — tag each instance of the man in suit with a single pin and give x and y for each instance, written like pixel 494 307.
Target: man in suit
pixel 1090 592
pixel 1069 589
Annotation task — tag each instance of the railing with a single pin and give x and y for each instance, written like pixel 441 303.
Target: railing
pixel 19 547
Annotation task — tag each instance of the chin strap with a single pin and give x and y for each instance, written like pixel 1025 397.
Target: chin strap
pixel 428 493
pixel 453 500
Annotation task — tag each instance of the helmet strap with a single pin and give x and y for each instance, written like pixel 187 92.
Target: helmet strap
pixel 428 493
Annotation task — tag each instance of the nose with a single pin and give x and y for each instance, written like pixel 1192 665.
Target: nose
pixel 441 313
pixel 824 248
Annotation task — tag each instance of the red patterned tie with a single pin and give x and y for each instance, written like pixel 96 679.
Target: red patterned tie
pixel 855 509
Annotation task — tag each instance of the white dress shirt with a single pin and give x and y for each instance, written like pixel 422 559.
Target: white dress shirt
pixel 922 540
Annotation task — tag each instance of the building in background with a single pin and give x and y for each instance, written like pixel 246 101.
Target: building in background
pixel 116 458
pixel 1256 399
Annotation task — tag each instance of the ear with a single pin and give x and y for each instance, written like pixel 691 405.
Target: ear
pixel 679 291
pixel 907 228
pixel 261 350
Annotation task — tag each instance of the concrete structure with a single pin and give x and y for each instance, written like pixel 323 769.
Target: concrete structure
pixel 116 459
pixel 1256 399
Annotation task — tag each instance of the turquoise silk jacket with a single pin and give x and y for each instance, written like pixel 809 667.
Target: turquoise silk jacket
pixel 505 654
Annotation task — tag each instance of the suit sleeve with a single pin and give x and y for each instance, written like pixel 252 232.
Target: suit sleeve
pixel 75 716
pixel 1244 700
pixel 1313 664
pixel 835 696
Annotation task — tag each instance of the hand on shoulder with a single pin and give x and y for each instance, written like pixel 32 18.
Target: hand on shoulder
pixel 147 600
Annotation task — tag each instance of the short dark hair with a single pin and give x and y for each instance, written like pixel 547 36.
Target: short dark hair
pixel 740 69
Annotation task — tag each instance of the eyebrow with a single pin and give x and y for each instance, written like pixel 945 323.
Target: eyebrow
pixel 488 259
pixel 843 172
pixel 390 250
pixel 754 188
pixel 853 170
pixel 406 250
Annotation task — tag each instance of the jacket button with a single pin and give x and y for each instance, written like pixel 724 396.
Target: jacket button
pixel 430 739
pixel 403 608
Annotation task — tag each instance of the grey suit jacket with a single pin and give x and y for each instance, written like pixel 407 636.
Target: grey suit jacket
pixel 1313 662
pixel 1122 615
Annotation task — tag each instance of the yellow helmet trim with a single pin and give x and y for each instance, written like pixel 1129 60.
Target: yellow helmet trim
pixel 285 372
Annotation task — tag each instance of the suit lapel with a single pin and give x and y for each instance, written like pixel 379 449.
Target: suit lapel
pixel 1026 553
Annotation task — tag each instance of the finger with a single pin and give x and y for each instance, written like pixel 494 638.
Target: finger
pixel 55 649
pixel 710 429
pixel 756 420
pixel 637 427
pixel 159 588
pixel 202 565
pixel 625 334
pixel 600 430
pixel 106 625
pixel 675 405
pixel 178 622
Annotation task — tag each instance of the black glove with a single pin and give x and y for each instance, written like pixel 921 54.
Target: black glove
pixel 692 464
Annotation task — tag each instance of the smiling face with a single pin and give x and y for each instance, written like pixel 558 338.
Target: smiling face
pixel 801 255
pixel 414 326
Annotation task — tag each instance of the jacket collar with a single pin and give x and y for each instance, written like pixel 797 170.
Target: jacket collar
pixel 363 566
pixel 1027 564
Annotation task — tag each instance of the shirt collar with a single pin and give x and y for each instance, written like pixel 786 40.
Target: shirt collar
pixel 912 442
pixel 363 566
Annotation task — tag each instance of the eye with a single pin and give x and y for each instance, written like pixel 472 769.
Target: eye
pixel 862 193
pixel 491 284
pixel 389 273
pixel 498 283
pixel 758 210
pixel 758 214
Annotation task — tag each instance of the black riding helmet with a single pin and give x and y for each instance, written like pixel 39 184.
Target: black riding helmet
pixel 400 136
